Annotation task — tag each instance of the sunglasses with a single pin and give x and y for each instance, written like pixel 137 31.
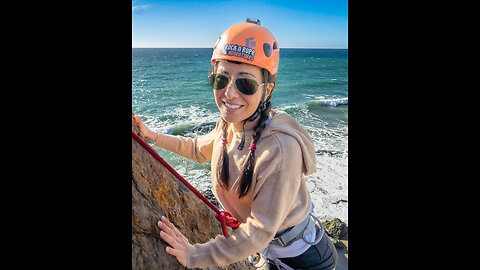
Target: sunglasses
pixel 246 86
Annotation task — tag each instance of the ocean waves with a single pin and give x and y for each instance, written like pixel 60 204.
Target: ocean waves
pixel 189 120
pixel 172 95
pixel 334 102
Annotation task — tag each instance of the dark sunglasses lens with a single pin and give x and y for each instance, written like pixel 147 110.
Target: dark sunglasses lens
pixel 246 86
pixel 219 81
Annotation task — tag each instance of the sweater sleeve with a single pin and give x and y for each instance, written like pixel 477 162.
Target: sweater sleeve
pixel 198 149
pixel 274 197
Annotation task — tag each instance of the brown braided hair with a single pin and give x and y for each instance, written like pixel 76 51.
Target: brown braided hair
pixel 222 163
pixel 247 169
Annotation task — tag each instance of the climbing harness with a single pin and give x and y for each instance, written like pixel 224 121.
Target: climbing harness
pixel 297 232
pixel 225 218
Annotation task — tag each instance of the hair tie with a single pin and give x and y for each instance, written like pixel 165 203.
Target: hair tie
pixel 252 147
pixel 224 141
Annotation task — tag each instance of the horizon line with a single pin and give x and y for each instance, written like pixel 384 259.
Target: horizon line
pixel 327 48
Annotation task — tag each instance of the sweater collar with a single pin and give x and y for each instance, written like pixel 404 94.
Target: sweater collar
pixel 249 130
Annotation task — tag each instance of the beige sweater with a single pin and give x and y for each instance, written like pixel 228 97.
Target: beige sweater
pixel 278 197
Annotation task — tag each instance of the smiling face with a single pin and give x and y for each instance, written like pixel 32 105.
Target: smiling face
pixel 233 105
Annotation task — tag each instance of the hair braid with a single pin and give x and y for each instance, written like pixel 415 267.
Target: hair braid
pixel 222 164
pixel 247 170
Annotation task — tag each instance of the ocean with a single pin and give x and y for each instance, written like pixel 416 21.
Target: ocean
pixel 171 93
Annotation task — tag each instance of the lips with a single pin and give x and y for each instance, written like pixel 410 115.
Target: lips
pixel 231 107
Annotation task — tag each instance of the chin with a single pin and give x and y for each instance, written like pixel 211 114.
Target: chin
pixel 229 118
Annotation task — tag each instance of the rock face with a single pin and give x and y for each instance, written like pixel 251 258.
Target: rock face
pixel 156 192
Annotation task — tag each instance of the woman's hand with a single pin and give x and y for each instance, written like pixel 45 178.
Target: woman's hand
pixel 178 243
pixel 146 132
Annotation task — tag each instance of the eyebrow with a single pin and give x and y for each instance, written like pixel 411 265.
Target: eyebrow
pixel 243 73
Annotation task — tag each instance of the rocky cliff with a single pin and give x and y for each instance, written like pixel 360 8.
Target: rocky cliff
pixel 156 192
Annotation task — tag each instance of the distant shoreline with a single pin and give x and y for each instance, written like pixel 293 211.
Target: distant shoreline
pixel 287 48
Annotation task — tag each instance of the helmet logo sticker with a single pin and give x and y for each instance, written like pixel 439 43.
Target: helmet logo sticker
pixel 238 51
pixel 248 43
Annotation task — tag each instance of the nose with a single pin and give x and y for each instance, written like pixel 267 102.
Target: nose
pixel 231 91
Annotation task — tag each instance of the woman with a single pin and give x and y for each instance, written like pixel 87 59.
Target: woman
pixel 259 157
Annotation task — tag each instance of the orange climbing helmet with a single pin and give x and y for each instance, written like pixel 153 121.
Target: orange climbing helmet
pixel 249 43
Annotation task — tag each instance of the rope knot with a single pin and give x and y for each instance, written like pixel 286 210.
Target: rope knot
pixel 226 219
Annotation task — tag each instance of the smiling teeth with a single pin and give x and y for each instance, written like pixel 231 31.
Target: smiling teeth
pixel 232 106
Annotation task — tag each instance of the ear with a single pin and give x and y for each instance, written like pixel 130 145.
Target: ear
pixel 270 87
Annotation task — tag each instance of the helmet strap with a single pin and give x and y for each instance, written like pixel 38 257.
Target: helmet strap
pixel 242 142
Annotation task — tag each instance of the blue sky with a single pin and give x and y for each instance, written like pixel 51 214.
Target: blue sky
pixel 295 24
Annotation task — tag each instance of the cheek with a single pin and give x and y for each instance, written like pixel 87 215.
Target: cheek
pixel 218 97
pixel 216 94
pixel 253 100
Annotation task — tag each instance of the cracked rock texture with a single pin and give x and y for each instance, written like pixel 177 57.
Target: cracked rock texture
pixel 156 192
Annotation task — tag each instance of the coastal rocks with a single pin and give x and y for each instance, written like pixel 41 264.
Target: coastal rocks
pixel 210 197
pixel 336 230
pixel 156 192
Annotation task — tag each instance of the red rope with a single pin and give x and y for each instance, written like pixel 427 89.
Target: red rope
pixel 225 218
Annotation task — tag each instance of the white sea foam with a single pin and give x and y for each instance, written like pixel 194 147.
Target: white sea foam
pixel 329 187
pixel 334 102
pixel 191 115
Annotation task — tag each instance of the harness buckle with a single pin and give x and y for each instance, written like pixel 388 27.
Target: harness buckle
pixel 283 244
pixel 280 242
